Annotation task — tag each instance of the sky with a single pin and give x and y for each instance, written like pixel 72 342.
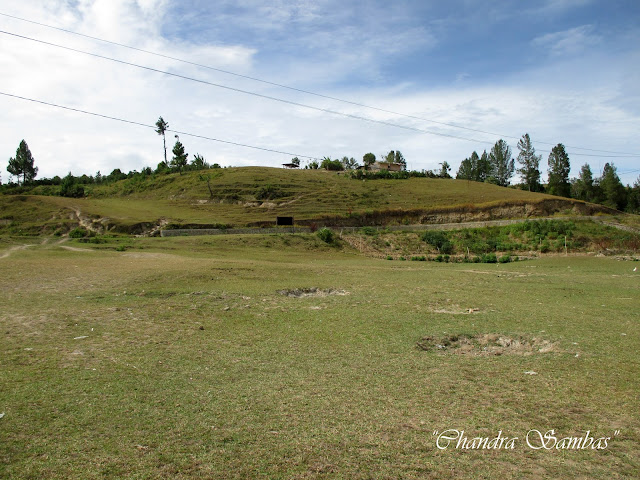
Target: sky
pixel 319 78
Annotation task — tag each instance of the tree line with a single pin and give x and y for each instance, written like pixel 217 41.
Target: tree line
pixel 350 163
pixel 498 167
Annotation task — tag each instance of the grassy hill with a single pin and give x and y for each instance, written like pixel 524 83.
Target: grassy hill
pixel 256 195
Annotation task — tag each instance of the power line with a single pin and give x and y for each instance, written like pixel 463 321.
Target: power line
pixel 288 87
pixel 247 92
pixel 451 125
pixel 108 117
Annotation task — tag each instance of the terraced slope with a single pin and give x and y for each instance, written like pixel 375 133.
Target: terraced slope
pixel 254 196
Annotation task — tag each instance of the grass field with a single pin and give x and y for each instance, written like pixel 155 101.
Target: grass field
pixel 283 357
pixel 239 199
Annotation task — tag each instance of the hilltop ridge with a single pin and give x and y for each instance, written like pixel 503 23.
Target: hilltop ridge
pixel 254 196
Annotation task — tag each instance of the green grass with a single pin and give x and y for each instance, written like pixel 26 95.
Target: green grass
pixel 178 358
pixel 527 238
pixel 251 195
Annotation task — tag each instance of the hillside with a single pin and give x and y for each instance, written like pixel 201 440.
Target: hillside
pixel 254 196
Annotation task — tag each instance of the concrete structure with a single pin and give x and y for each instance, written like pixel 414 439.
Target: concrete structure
pixel 392 167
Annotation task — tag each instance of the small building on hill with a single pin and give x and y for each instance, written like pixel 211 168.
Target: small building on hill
pixel 290 165
pixel 391 167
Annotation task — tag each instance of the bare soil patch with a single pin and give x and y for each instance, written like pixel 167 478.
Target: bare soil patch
pixel 485 344
pixel 311 292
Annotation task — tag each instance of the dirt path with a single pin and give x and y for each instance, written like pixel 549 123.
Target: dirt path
pixel 86 222
pixel 7 253
pixel 46 242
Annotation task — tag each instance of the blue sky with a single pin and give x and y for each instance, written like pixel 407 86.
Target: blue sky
pixel 561 70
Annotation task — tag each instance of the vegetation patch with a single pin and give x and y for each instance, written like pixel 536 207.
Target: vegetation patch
pixel 485 344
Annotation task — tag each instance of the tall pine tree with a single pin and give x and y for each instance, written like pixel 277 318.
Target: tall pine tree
pixel 23 164
pixel 613 191
pixel 179 160
pixel 559 168
pixel 530 163
pixel 502 165
pixel 582 187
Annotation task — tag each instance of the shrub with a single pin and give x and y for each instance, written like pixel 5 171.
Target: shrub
pixel 78 232
pixel 389 257
pixel 438 240
pixel 326 235
pixel 447 247
pixel 72 191
pixel 505 259
pixel 370 231
pixel 269 192
pixel 489 258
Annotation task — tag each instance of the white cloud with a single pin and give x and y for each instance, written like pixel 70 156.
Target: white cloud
pixel 569 42
pixel 556 104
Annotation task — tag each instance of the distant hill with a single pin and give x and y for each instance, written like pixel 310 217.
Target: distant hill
pixel 254 196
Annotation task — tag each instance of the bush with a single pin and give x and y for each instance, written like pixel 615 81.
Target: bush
pixel 389 257
pixel 269 192
pixel 505 259
pixel 78 232
pixel 326 235
pixel 72 191
pixel 489 258
pixel 370 231
pixel 437 239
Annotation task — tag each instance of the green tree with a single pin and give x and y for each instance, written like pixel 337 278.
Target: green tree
pixel 559 168
pixel 390 157
pixel 395 156
pixel 444 170
pixel 633 198
pixel 349 163
pixel 161 128
pixel 484 169
pixel 23 164
pixel 295 161
pixel 199 163
pixel 329 164
pixel 179 160
pixel 613 191
pixel 70 188
pixel 502 165
pixel 582 187
pixel 368 159
pixel 530 164
pixel 466 170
